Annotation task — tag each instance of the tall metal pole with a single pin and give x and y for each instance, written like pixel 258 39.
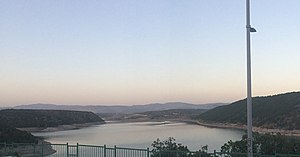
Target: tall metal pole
pixel 249 92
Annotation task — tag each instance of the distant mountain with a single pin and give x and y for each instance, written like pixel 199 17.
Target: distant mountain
pixel 278 111
pixel 122 109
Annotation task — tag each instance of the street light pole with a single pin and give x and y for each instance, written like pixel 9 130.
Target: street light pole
pixel 249 92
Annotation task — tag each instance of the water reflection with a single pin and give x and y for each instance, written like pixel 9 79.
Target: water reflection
pixel 142 134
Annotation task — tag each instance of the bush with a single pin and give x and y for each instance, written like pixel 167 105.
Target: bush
pixel 169 148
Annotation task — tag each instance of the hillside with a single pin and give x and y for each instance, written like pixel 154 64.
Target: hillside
pixel 45 118
pixel 10 119
pixel 278 111
pixel 122 109
pixel 10 134
pixel 172 114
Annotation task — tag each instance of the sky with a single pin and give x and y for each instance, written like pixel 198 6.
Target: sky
pixel 128 52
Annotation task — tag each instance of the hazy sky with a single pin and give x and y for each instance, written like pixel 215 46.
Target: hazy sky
pixel 144 51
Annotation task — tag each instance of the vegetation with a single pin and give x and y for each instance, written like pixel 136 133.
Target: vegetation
pixel 278 111
pixel 267 144
pixel 169 148
pixel 10 134
pixel 10 119
pixel 19 118
pixel 172 114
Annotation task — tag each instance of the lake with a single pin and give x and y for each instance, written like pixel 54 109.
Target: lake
pixel 142 134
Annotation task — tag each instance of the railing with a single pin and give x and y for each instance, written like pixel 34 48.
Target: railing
pixel 78 150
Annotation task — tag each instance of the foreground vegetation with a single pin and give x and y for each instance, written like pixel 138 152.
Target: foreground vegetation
pixel 263 144
pixel 276 112
pixel 169 148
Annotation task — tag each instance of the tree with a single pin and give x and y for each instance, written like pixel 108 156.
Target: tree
pixel 265 144
pixel 169 148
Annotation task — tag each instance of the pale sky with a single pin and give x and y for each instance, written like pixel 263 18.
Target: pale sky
pixel 127 52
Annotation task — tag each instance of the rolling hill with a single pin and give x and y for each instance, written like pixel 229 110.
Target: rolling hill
pixel 10 119
pixel 172 114
pixel 278 111
pixel 45 118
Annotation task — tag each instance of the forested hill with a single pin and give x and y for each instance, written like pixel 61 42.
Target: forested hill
pixel 278 111
pixel 45 118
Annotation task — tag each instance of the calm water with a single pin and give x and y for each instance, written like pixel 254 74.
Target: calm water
pixel 142 134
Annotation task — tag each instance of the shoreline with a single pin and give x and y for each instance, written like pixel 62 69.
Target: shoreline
pixel 60 127
pixel 295 133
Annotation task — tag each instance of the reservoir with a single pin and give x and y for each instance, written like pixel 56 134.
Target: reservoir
pixel 142 135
